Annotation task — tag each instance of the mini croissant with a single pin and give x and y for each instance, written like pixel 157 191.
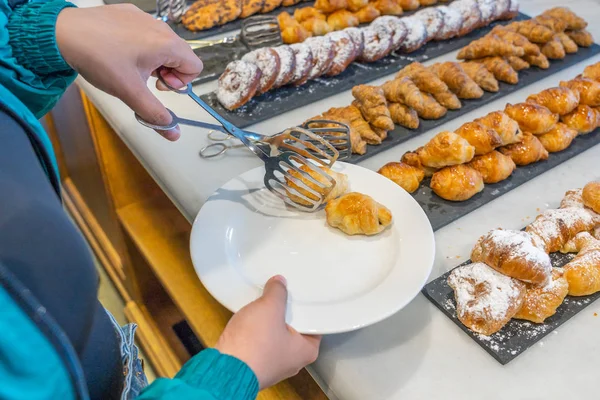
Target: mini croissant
pixel 489 46
pixel 357 214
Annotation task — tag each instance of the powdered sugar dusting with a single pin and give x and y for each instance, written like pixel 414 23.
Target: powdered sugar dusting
pixel 344 48
pixel 573 198
pixel 453 20
pixel 395 25
pixel 488 9
pixel 433 20
pixel 521 246
pixel 470 12
pixel 547 225
pixel 267 61
pixel 287 63
pixel 303 57
pixel 321 48
pixel 356 34
pixel 502 7
pixel 235 83
pixel 417 34
pixel 377 39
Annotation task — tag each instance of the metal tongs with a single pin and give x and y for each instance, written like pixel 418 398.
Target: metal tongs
pixel 298 150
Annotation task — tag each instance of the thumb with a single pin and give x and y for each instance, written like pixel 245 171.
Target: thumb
pixel 275 294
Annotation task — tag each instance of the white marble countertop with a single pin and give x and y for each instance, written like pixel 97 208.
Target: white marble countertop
pixel 418 353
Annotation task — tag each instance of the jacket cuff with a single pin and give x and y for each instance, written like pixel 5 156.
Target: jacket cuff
pixel 32 36
pixel 224 376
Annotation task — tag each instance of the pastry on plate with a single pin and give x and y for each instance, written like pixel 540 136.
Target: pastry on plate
pixel 558 138
pixel 316 26
pixel 238 84
pixel 341 185
pixel 396 27
pixel 506 127
pixel 528 151
pixel 532 30
pixel 407 177
pixel 444 149
pixel 270 5
pixel 357 214
pixel 485 299
pixel 541 302
pixel 306 13
pixel 342 19
pixel 329 6
pixel 355 5
pixel 388 7
pixel 572 198
pixel 583 119
pixel 433 20
pixel 532 117
pixel 568 44
pixel 493 167
pixel 356 34
pixel 431 108
pixel 448 100
pixel 583 272
pixel 287 64
pixel 559 100
pixel 555 24
pixel 591 196
pixel 456 183
pixel 513 254
pixel 480 136
pixel 404 90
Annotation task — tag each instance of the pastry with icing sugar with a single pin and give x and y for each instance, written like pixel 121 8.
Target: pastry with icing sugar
pixel 378 42
pixel 344 52
pixel 396 27
pixel 287 61
pixel 238 84
pixel 417 34
pixel 471 14
pixel 303 63
pixel 541 302
pixel 433 20
pixel 267 60
pixel 453 21
pixel 485 299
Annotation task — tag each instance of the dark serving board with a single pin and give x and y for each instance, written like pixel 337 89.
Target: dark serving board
pixel 288 98
pixel 516 336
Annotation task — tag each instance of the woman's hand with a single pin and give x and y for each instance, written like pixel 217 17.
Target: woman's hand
pixel 118 47
pixel 259 336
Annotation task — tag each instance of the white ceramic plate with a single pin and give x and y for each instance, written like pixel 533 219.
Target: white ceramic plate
pixel 243 235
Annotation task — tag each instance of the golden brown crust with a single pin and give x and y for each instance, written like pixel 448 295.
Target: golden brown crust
pixel 517 39
pixel 532 117
pixel 412 158
pixel 558 138
pixel 591 196
pixel 589 90
pixel 403 115
pixel 493 167
pixel 423 78
pixel 357 214
pixel 431 108
pixel 388 7
pixel 341 185
pixel 592 72
pixel 457 80
pixel 270 5
pixel 481 137
pixel 541 302
pixel 583 272
pixel 489 46
pixel 367 14
pixel 251 7
pixel 559 100
pixel 572 20
pixel 409 5
pixel 516 63
pixel 306 13
pixel 554 49
pixel 456 183
pixel 342 19
pixel 528 151
pixel 204 14
pixel 568 44
pixel 582 37
pixel 551 22
pixel 540 61
pixel 373 106
pixel 330 6
pixel 317 27
pixel 404 175
pixel 445 149
pixel 355 5
pixel 448 100
pixel 404 90
pixel 583 119
pixel 501 69
pixel 532 30
pixel 506 127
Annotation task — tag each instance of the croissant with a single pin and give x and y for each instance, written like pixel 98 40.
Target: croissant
pixel 446 148
pixel 558 138
pixel 431 108
pixel 517 63
pixel 563 13
pixel 357 214
pixel 507 128
pixel 330 6
pixel 405 91
pixel 513 254
pixel 552 229
pixel 412 158
pixel 403 115
pixel 533 31
pixel 409 5
pixel 583 119
pixel 342 19
pixel 407 177
pixel 589 90
pixel 352 117
pixel 456 183
pixel 532 117
pixel 355 5
pixel 367 14
pixel 540 61
pixel 365 130
pixel 541 302
pixel 592 72
pixel 554 49
pixel 485 299
pixel 373 106
pixel 559 100
pixel 294 34
pixel 457 80
pixel 479 73
pixel 583 272
pixel 479 136
pixel 568 44
pixel 426 80
pixel 555 24
pixel 448 100
pixel 582 37
pixel 316 26
pixel 493 167
pixel 517 39
pixel 501 69
pixel 528 151
pixel 388 7
pixel 306 13
pixel 298 193
pixel 591 196
pixel 489 46
pixel 572 198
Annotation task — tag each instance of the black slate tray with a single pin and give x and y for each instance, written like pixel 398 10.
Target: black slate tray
pixel 288 98
pixel 517 336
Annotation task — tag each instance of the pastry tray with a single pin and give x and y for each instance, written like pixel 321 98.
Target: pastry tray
pixel 518 335
pixel 289 98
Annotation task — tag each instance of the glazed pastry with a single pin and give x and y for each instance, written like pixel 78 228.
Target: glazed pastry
pixel 317 27
pixel 552 229
pixel 482 77
pixel 485 299
pixel 513 254
pixel 446 148
pixel 493 167
pixel 589 90
pixel 591 196
pixel 501 69
pixel 344 51
pixel 423 78
pixel 322 52
pixel 356 34
pixel 306 13
pixel 554 49
pixel 582 38
pixel 563 13
pixel 558 138
pixel 396 27
pixel 592 72
pixel 304 63
pixel 431 108
pixel 457 80
pixel 342 19
pixel 489 46
pixel 287 64
pixel 433 20
pixel 388 7
pixel 352 116
pixel 540 61
pixel 528 151
pixel 583 272
pixel 541 302
pixel 518 64
pixel 367 14
pixel 532 117
pixel 270 5
pixel 559 100
pixel 417 34
pixel 407 177
pixel 568 44
pixel 238 84
pixel 405 91
pixel 447 100
pixel 412 158
pixel 355 5
pixel 479 136
pixel 294 33
pixel 556 24
pixel 357 214
pixel 533 31
pixel 516 39
pixel 204 15
pixel 403 115
pixel 469 9
pixel 453 21
pixel 297 191
pixel 251 7
pixel 507 128
pixel 409 5
pixel 583 119
pixel 378 42
pixel 373 106
pixel 330 6
pixel 456 183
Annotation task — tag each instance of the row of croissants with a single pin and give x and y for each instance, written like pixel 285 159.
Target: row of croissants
pixel 511 274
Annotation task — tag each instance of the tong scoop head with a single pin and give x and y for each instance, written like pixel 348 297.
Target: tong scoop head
pixel 333 132
pixel 261 31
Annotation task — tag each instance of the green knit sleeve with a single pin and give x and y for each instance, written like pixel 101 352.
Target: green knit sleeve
pixel 31 30
pixel 209 375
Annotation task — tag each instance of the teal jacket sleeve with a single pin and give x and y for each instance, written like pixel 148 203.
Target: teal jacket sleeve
pixel 209 375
